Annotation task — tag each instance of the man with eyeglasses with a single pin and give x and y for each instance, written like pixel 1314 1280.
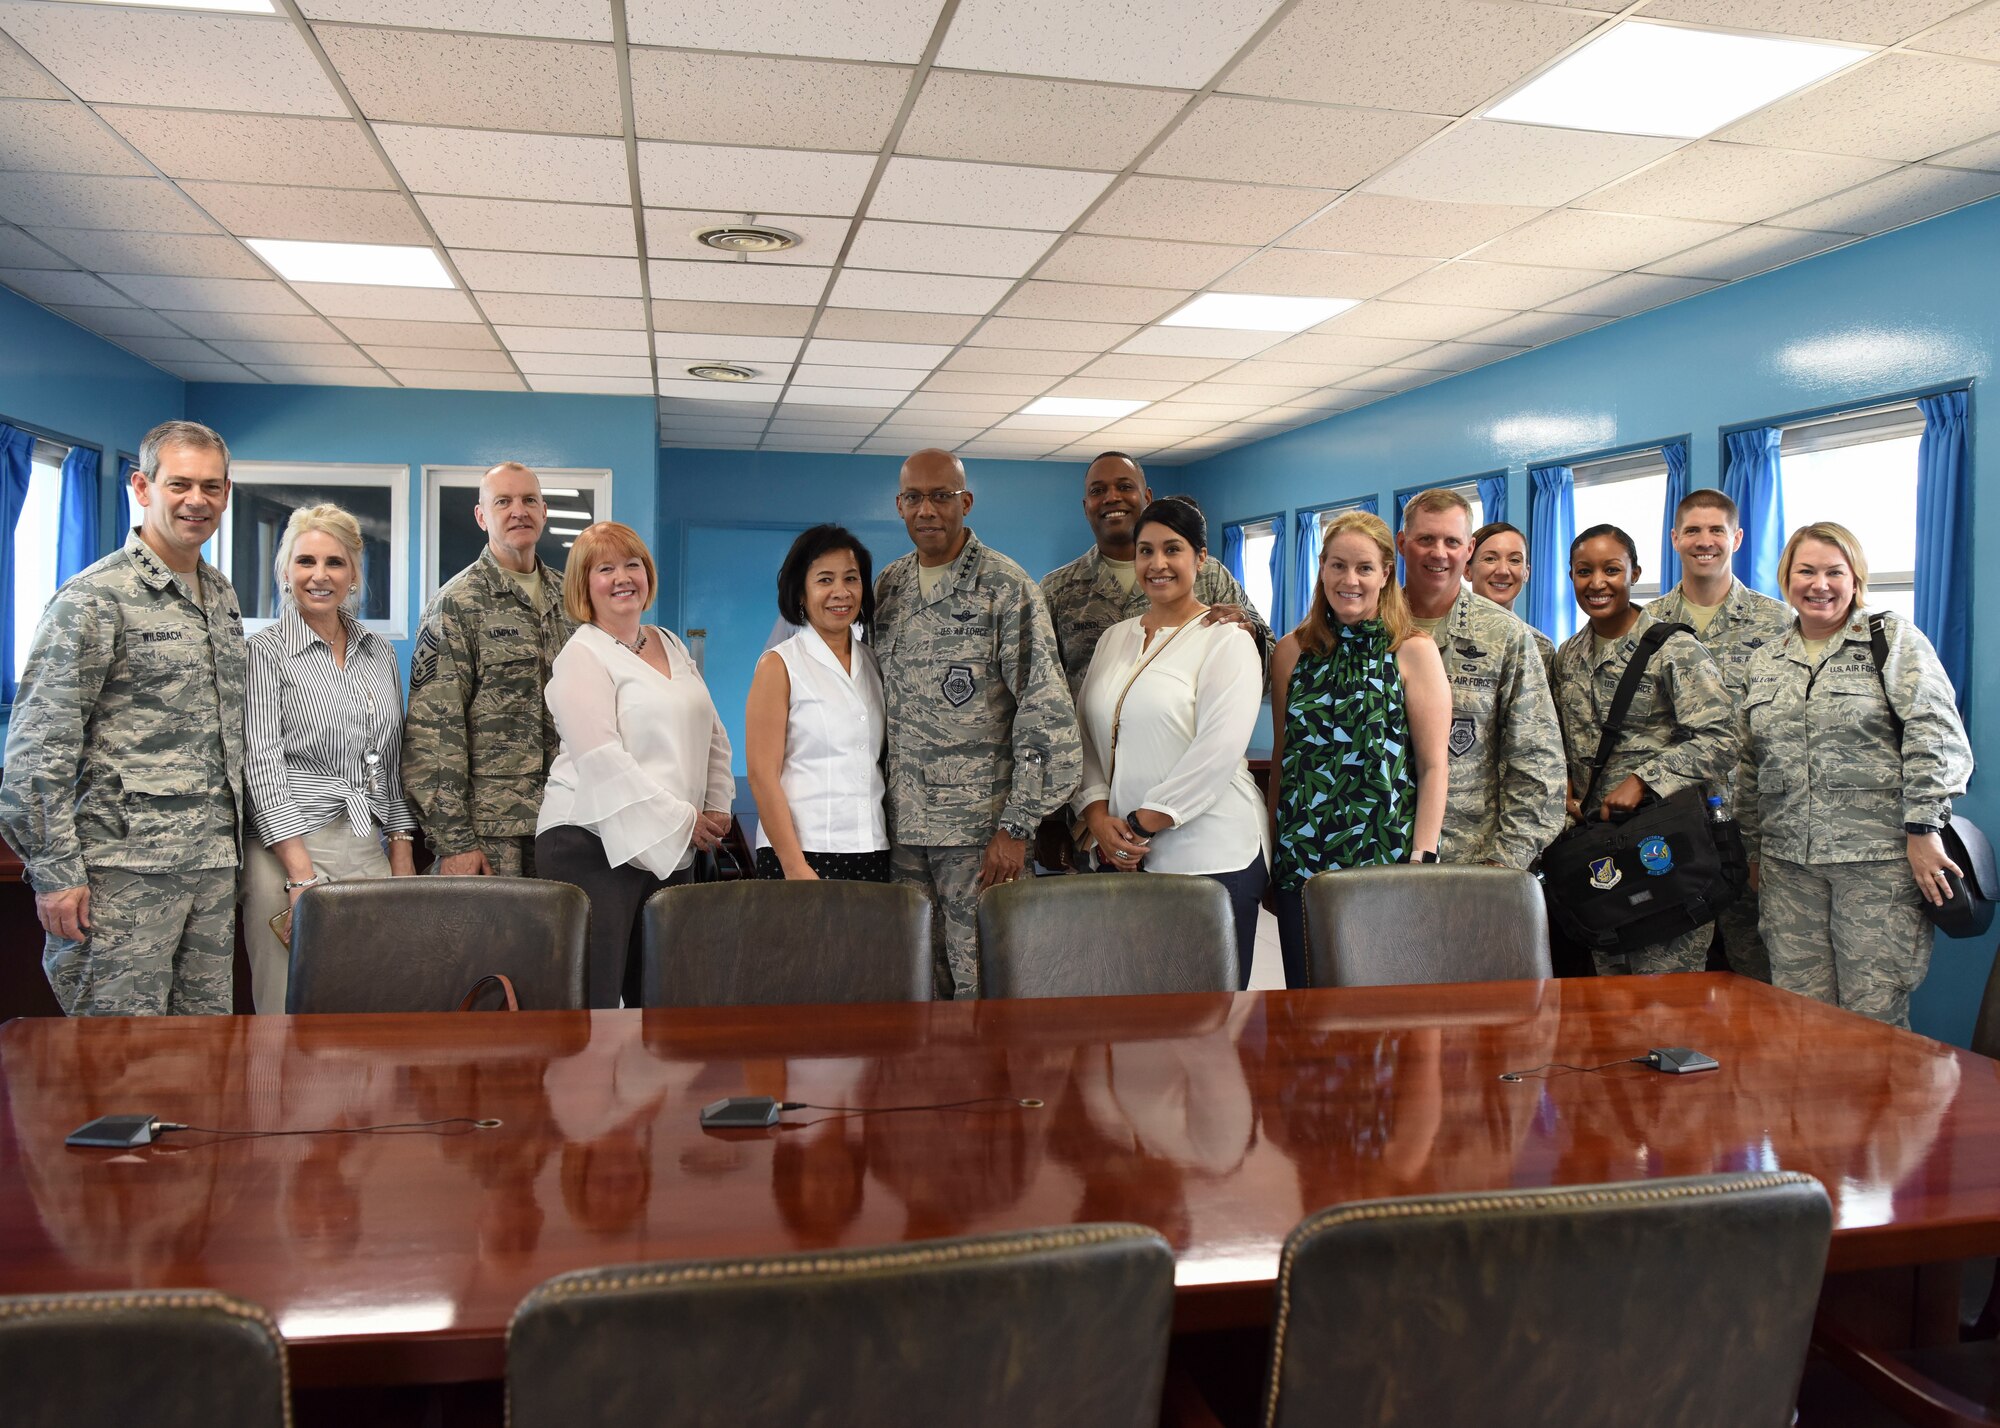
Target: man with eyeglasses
pixel 983 740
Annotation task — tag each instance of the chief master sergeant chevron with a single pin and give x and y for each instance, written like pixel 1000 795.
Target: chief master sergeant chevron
pixel 124 765
pixel 982 740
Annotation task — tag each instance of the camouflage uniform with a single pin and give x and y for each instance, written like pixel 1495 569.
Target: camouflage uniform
pixel 478 739
pixel 124 773
pixel 1679 733
pixel 1085 599
pixel 1504 801
pixel 1546 648
pixel 1825 792
pixel 1746 622
pixel 982 733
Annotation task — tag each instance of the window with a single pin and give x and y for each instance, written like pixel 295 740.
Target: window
pixel 33 567
pixel 263 497
pixel 1860 469
pixel 1629 492
pixel 1260 542
pixel 1467 489
pixel 451 493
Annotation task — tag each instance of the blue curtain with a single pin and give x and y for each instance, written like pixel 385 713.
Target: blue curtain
pixel 1493 498
pixel 1751 480
pixel 126 466
pixel 1944 538
pixel 76 525
pixel 1305 563
pixel 1551 527
pixel 1676 453
pixel 17 452
pixel 1232 552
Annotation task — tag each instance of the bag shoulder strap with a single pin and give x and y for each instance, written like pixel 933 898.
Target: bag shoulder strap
pixel 1878 645
pixel 1118 709
pixel 1621 700
pixel 502 980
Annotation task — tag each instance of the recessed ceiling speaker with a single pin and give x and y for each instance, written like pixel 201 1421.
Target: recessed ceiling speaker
pixel 720 372
pixel 746 238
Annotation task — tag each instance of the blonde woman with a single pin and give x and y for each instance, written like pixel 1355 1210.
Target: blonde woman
pixel 1356 678
pixel 323 735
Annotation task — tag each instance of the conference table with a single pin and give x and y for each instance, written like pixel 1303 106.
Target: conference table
pixel 398 1256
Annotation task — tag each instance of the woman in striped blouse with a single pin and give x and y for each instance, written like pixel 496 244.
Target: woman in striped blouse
pixel 323 728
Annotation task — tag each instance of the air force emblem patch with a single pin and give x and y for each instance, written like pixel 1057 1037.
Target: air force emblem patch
pixel 1462 735
pixel 956 686
pixel 1604 874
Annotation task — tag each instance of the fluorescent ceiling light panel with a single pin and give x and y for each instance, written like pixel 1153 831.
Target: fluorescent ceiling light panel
pixel 1679 83
pixel 378 264
pixel 1080 407
pixel 556 515
pixel 1256 312
pixel 548 491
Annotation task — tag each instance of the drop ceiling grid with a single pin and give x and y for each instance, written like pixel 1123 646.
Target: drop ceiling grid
pixel 1282 381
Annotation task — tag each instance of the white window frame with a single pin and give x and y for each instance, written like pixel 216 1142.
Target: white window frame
pixel 595 479
pixel 335 475
pixel 1857 428
pixel 49 454
pixel 1276 524
pixel 1641 465
pixel 1329 514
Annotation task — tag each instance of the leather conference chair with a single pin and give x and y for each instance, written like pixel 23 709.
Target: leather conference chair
pixel 1106 935
pixel 765 942
pixel 1653 1304
pixel 420 944
pixel 1405 924
pixel 1062 1328
pixel 162 1358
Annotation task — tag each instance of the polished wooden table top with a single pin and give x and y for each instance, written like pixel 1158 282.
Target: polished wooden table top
pixel 1220 1120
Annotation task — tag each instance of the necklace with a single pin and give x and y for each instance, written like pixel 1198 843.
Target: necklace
pixel 623 646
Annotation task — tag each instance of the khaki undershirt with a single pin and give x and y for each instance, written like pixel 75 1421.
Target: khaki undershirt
pixel 1700 616
pixel 1125 572
pixel 1431 627
pixel 930 580
pixel 530 582
pixel 1815 649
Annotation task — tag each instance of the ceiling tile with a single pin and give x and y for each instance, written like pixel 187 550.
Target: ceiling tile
pixel 1340 349
pixel 576 364
pixel 920 292
pixel 1051 336
pixel 1199 342
pixel 601 386
pixel 943 248
pixel 556 19
pixel 46 285
pixel 1212 411
pixel 1433 56
pixel 875 354
pixel 1531 329
pixel 60 137
pixel 548 310
pixel 1091 303
pixel 1139 262
pixel 1166 369
pixel 1573 237
pixel 1023 360
pixel 1734 183
pixel 1869 22
pixel 939 191
pixel 1144 206
pixel 1298 273
pixel 961 402
pixel 737 282
pixel 1011 120
pixel 548 273
pixel 22 78
pixel 463 381
pixel 990 383
pixel 891 30
pixel 1436 322
pixel 490 164
pixel 389 332
pixel 863 324
pixel 1974 34
pixel 1457 356
pixel 252 148
pixel 209 294
pixel 410 304
pixel 747 424
pixel 752 180
pixel 725 395
pixel 121 321
pixel 256 326
pixel 1746 251
pixel 318 354
pixel 1488 162
pixel 1270 141
pixel 1629 293
pixel 1107 40
pixel 1293 377
pixel 513 225
pixel 18 250
pixel 1117 389
pixel 1148 426
pixel 212 372
pixel 884 378
pixel 1983 155
pixel 112 53
pixel 169 349
pixel 751 319
pixel 606 340
pixel 477 81
pixel 701 406
pixel 1902 197
pixel 670 234
pixel 323 376
pixel 323 214
pixel 1900 106
pixel 131 204
pixel 1414 227
pixel 845 396
pixel 746 99
pixel 1391 379
pixel 1475 284
pixel 199 255
pixel 443 359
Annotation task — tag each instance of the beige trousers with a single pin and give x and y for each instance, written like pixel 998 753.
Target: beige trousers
pixel 337 854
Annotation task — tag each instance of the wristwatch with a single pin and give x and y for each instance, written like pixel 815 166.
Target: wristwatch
pixel 1424 857
pixel 1919 830
pixel 1016 832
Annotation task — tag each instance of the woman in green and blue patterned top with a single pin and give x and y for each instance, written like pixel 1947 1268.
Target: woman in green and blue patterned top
pixel 1361 715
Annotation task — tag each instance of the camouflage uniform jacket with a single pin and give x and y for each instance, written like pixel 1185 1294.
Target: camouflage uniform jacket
pixel 1680 731
pixel 1546 648
pixel 981 728
pixel 126 745
pixel 1823 779
pixel 1746 622
pixel 479 738
pixel 1085 599
pixel 1504 800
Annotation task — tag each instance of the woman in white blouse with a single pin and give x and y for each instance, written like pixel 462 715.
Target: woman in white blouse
pixel 1167 710
pixel 642 782
pixel 813 727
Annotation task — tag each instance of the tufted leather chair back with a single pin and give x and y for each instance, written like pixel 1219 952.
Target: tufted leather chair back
pixel 1403 924
pixel 419 944
pixel 1106 935
pixel 1062 1328
pixel 162 1358
pixel 762 942
pixel 1654 1304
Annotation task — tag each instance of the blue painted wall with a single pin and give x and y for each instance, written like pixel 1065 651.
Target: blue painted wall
pixel 1911 310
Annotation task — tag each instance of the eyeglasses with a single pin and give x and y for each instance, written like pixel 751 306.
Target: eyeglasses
pixel 914 501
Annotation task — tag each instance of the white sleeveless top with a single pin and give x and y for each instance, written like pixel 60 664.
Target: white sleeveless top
pixel 832 776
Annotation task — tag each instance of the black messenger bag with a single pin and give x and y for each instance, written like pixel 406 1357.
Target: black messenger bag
pixel 1661 870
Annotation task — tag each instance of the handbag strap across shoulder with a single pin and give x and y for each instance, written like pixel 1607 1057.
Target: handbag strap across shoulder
pixel 1118 709
pixel 1878 645
pixel 1621 700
